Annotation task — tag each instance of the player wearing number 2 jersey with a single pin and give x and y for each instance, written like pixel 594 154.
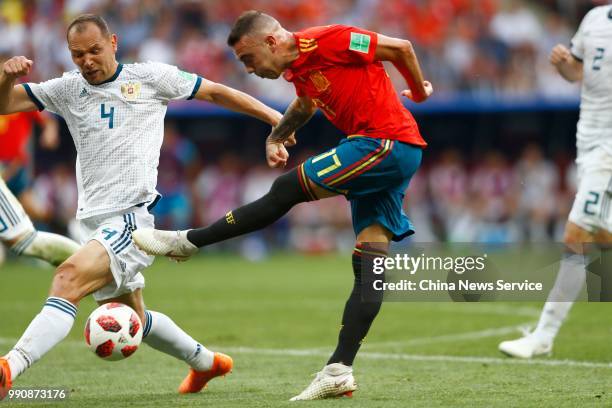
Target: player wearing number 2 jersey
pixel 590 220
pixel 115 114
pixel 339 70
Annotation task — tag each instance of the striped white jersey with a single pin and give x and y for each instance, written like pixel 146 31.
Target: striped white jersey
pixel 117 127
pixel 592 45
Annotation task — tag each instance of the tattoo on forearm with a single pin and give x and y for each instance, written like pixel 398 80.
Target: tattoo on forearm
pixel 291 121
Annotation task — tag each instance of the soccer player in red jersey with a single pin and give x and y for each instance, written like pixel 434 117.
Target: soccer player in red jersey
pixel 15 133
pixel 337 69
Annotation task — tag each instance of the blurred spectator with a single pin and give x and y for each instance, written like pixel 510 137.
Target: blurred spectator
pixel 177 162
pixel 64 187
pixel 538 184
pixel 419 207
pixel 550 83
pixel 493 199
pixel 217 188
pixel 132 29
pixel 12 31
pixel 448 185
pixel 516 25
pixel 321 226
pixel 56 193
pixel 158 47
pixel 256 183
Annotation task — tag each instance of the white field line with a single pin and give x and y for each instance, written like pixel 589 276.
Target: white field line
pixel 485 308
pixel 425 358
pixel 412 342
pixel 489 309
pixel 481 334
pixel 390 356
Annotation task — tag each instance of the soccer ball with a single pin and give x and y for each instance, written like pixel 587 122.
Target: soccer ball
pixel 113 331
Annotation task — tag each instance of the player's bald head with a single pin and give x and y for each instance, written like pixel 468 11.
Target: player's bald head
pixel 82 23
pixel 252 23
pixel 92 47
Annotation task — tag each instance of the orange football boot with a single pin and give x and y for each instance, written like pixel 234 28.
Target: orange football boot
pixel 196 380
pixel 5 378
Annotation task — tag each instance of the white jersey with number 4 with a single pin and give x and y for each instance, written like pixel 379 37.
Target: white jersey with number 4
pixel 592 45
pixel 117 127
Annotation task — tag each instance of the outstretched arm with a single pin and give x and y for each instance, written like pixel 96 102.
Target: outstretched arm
pixel 401 54
pixel 14 98
pixel 237 101
pixel 297 115
pixel 568 66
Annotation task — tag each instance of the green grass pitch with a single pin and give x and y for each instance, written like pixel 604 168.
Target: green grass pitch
pixel 279 319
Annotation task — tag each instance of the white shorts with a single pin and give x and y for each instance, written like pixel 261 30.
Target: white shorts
pixel 114 232
pixel 591 209
pixel 14 222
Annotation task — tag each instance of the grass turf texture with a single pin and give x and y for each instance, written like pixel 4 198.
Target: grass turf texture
pixel 265 314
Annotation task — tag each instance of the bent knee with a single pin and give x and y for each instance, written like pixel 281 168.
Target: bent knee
pixel 11 242
pixel 376 235
pixel 287 189
pixel 67 283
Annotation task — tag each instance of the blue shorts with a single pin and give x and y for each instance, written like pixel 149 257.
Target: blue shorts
pixel 19 182
pixel 373 175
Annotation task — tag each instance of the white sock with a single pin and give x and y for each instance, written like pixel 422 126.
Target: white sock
pixel 52 248
pixel 569 283
pixel 48 328
pixel 161 333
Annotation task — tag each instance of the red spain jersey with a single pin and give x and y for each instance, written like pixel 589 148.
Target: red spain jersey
pixel 337 70
pixel 15 130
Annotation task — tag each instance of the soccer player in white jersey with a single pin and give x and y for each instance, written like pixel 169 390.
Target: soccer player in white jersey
pixel 18 233
pixel 590 220
pixel 115 114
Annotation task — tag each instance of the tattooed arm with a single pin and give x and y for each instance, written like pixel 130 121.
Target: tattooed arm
pixel 297 115
pixel 299 112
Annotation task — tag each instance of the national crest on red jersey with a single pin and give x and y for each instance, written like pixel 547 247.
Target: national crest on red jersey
pixel 320 81
pixel 338 70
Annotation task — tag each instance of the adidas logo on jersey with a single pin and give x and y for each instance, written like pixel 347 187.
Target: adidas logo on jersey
pixel 83 93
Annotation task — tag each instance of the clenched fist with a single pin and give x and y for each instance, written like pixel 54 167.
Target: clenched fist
pixel 560 55
pixel 428 88
pixel 17 67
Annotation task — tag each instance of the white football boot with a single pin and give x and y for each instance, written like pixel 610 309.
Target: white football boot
pixel 527 346
pixel 173 244
pixel 335 380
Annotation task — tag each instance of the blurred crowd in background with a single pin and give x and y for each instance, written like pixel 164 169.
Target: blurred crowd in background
pixel 484 48
pixel 452 198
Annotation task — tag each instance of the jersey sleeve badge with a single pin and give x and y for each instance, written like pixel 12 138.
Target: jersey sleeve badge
pixel 360 43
